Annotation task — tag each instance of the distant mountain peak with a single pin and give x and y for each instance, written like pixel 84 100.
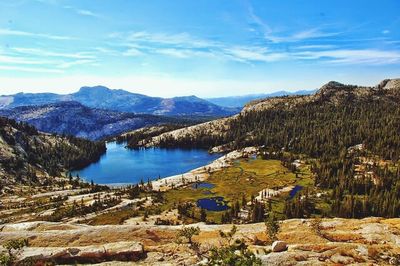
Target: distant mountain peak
pixel 189 98
pixel 333 87
pixel 91 89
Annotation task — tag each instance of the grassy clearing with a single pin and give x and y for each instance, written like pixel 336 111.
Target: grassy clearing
pixel 246 177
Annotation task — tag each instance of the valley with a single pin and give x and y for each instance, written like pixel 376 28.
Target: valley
pixel 199 133
pixel 319 172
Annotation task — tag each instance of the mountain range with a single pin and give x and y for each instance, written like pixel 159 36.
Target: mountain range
pixel 73 118
pixel 123 101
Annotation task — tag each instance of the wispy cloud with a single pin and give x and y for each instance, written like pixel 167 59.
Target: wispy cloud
pixel 6 59
pixel 9 32
pixel 83 12
pixel 31 69
pixel 185 53
pixel 184 45
pixel 87 13
pixel 132 52
pixel 280 37
pixel 313 33
pixel 75 63
pixel 352 56
pixel 254 54
pixel 315 46
pixel 179 40
pixel 48 53
pixel 20 58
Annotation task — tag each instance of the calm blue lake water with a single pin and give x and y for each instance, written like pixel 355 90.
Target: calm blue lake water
pixel 123 166
pixel 294 191
pixel 203 185
pixel 213 204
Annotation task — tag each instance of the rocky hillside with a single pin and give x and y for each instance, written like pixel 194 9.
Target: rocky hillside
pixel 73 118
pixel 123 101
pixel 27 156
pixel 332 94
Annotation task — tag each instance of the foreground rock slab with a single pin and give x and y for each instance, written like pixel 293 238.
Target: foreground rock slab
pixel 369 241
pixel 119 251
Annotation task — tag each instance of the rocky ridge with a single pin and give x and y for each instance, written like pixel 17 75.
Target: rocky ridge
pixel 73 118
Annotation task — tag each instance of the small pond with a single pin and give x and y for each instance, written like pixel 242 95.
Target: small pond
pixel 213 204
pixel 294 191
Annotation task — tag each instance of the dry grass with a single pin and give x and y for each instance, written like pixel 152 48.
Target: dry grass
pixel 248 177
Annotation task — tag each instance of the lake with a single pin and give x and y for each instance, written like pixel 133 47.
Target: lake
pixel 120 165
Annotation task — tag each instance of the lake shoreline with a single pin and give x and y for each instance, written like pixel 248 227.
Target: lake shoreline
pixel 121 167
pixel 202 173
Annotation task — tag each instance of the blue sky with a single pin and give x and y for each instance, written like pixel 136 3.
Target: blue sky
pixel 205 47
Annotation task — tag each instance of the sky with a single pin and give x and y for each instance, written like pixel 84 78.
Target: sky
pixel 207 48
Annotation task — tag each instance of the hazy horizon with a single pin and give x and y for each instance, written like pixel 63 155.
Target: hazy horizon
pixel 132 91
pixel 207 48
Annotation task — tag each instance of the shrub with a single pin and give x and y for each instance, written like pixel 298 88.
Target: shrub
pixel 272 225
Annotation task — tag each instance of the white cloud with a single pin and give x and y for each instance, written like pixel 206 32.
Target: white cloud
pixel 132 52
pixel 105 50
pixel 273 36
pixel 254 54
pixel 9 32
pixel 75 63
pixel 48 53
pixel 313 33
pixel 184 45
pixel 6 59
pixel 385 31
pixel 352 56
pixel 87 13
pixel 184 39
pixel 30 69
pixel 315 46
pixel 83 12
pixel 184 53
pixel 37 57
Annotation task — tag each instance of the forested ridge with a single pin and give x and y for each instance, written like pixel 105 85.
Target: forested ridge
pixel 26 153
pixel 134 139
